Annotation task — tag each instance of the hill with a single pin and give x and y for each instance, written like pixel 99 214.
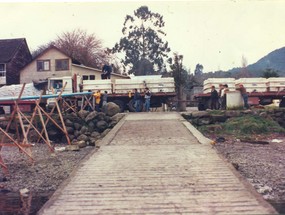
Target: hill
pixel 275 60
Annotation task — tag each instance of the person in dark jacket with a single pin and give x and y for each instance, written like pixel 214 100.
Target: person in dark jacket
pixel 214 98
pixel 137 99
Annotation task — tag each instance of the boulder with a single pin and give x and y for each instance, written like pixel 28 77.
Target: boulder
pixel 92 142
pixel 77 126
pixel 101 125
pixel 200 114
pixel 91 126
pixel 112 109
pixel 83 137
pixel 116 118
pixel 95 134
pixel 100 116
pixel 69 130
pixel 83 114
pixel 81 143
pixel 68 123
pixel 91 116
pixel 72 148
pixel 83 129
pixel 104 133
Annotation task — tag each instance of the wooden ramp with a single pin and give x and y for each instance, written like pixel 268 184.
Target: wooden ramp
pixel 152 164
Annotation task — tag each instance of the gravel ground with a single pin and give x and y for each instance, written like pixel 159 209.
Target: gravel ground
pixel 44 174
pixel 262 165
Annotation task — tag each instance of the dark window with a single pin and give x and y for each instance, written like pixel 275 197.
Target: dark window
pixel 62 64
pixel 92 77
pixel 2 67
pixel 2 70
pixel 85 77
pixel 43 65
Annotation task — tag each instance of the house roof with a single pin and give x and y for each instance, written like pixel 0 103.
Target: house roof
pixel 8 48
pixel 98 70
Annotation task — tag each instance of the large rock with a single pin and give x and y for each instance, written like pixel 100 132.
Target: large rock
pixel 83 137
pixel 95 135
pixel 116 118
pixel 101 125
pixel 83 114
pixel 200 114
pixel 83 130
pixel 111 109
pixel 69 130
pixel 68 123
pixel 77 126
pixel 91 116
pixel 72 148
pixel 81 143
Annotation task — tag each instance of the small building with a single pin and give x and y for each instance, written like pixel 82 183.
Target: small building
pixel 14 55
pixel 53 62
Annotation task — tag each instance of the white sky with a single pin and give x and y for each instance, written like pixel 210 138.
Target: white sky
pixel 215 34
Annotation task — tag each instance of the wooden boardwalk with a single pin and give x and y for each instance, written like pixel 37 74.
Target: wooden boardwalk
pixel 150 163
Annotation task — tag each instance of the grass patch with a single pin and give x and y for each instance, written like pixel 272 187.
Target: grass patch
pixel 244 126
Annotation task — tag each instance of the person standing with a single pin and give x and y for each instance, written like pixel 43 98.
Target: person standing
pixel 137 99
pixel 97 96
pixel 214 98
pixel 221 87
pixel 147 96
pixel 224 97
pixel 244 95
pixel 105 69
pixel 104 98
pixel 109 71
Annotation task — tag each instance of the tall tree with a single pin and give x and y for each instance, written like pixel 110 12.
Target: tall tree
pixel 145 50
pixel 180 78
pixel 80 46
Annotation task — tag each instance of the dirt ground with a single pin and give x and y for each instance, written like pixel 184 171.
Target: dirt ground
pixel 263 165
pixel 44 174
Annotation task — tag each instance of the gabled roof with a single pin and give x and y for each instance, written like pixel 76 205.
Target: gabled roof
pixel 9 47
pixel 49 48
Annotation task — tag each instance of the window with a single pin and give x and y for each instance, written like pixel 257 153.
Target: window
pixel 2 70
pixel 43 65
pixel 62 64
pixel 88 77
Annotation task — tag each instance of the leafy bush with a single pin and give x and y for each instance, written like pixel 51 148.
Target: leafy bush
pixel 246 125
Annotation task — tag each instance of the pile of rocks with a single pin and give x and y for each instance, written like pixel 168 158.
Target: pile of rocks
pixel 85 127
pixel 208 117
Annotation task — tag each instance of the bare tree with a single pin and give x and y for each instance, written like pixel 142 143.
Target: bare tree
pixel 85 48
pixel 80 46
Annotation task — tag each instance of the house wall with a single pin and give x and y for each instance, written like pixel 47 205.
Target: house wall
pixel 21 58
pixel 86 71
pixel 91 71
pixel 30 73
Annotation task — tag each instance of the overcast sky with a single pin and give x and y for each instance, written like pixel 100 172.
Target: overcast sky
pixel 216 34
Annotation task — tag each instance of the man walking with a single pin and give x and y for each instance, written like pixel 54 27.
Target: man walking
pixel 137 98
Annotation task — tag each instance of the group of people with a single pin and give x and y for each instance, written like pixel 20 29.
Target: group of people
pixel 219 99
pixel 137 100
